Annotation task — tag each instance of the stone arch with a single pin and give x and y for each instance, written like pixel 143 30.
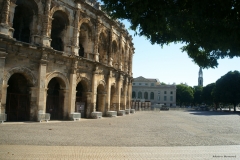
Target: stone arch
pixel 85 38
pixel 23 70
pixel 86 83
pixel 103 83
pixel 102 47
pixel 63 80
pixel 60 8
pixel 25 19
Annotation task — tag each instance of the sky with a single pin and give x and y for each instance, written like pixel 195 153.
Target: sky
pixel 170 65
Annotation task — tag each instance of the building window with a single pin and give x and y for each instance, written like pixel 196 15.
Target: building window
pixel 140 95
pixel 140 84
pixel 152 84
pixel 171 98
pixel 133 83
pixel 146 84
pixel 145 95
pixel 133 94
pixel 170 104
pixel 165 98
pixel 159 98
pixel 171 92
pixel 165 92
pixel 151 95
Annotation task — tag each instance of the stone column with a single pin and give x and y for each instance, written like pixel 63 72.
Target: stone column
pixel 76 31
pixel 94 91
pixel 96 54
pixel 72 88
pixel 42 87
pixel 4 25
pixel 110 59
pixel 46 40
pixel 3 98
pixel 33 103
pixel 129 94
pixel 102 102
pixel 118 97
pixel 65 93
pixel 108 92
pixel 3 83
pixel 89 108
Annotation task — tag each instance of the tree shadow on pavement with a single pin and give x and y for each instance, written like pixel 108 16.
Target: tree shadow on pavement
pixel 212 113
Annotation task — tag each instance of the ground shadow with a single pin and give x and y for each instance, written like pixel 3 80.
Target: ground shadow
pixel 212 113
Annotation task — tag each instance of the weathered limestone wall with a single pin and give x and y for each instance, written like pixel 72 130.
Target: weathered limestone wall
pixel 81 52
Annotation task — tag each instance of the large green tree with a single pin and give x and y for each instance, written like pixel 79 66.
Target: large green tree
pixel 197 95
pixel 210 29
pixel 184 95
pixel 207 94
pixel 227 89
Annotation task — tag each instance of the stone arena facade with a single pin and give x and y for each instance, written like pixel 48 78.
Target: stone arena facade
pixel 62 57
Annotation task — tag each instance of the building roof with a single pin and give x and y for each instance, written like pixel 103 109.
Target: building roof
pixel 142 79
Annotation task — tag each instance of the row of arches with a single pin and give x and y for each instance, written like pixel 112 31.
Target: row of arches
pixel 19 98
pixel 27 23
pixel 144 95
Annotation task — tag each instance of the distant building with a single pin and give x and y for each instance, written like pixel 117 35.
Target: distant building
pixel 200 77
pixel 152 90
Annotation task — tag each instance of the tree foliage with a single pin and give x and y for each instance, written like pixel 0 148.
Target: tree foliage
pixel 207 94
pixel 209 29
pixel 227 89
pixel 184 94
pixel 197 100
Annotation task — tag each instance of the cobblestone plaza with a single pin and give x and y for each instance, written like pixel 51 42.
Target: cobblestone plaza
pixel 144 135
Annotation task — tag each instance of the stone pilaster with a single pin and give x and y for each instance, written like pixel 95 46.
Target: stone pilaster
pixel 65 93
pixel 129 98
pixel 3 83
pixel 42 87
pixel 102 103
pixel 46 40
pixel 96 54
pixel 89 108
pixel 33 103
pixel 110 57
pixel 76 32
pixel 72 88
pixel 4 25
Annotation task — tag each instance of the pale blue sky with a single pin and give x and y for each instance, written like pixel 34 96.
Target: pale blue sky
pixel 170 65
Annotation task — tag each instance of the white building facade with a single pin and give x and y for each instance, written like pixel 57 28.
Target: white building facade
pixel 152 90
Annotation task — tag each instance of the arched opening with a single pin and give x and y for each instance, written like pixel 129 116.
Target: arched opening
pixel 122 99
pixel 81 99
pixel 134 94
pixel 18 98
pixel 55 100
pixel 151 95
pixel 102 48
pixel 140 95
pixel 100 102
pixel 114 54
pixel 84 39
pixel 145 95
pixel 23 18
pixel 59 27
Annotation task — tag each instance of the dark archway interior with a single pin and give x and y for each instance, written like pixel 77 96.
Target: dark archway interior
pixel 83 38
pixel 23 17
pixel 59 24
pixel 81 99
pixel 18 99
pixel 55 100
pixel 100 90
